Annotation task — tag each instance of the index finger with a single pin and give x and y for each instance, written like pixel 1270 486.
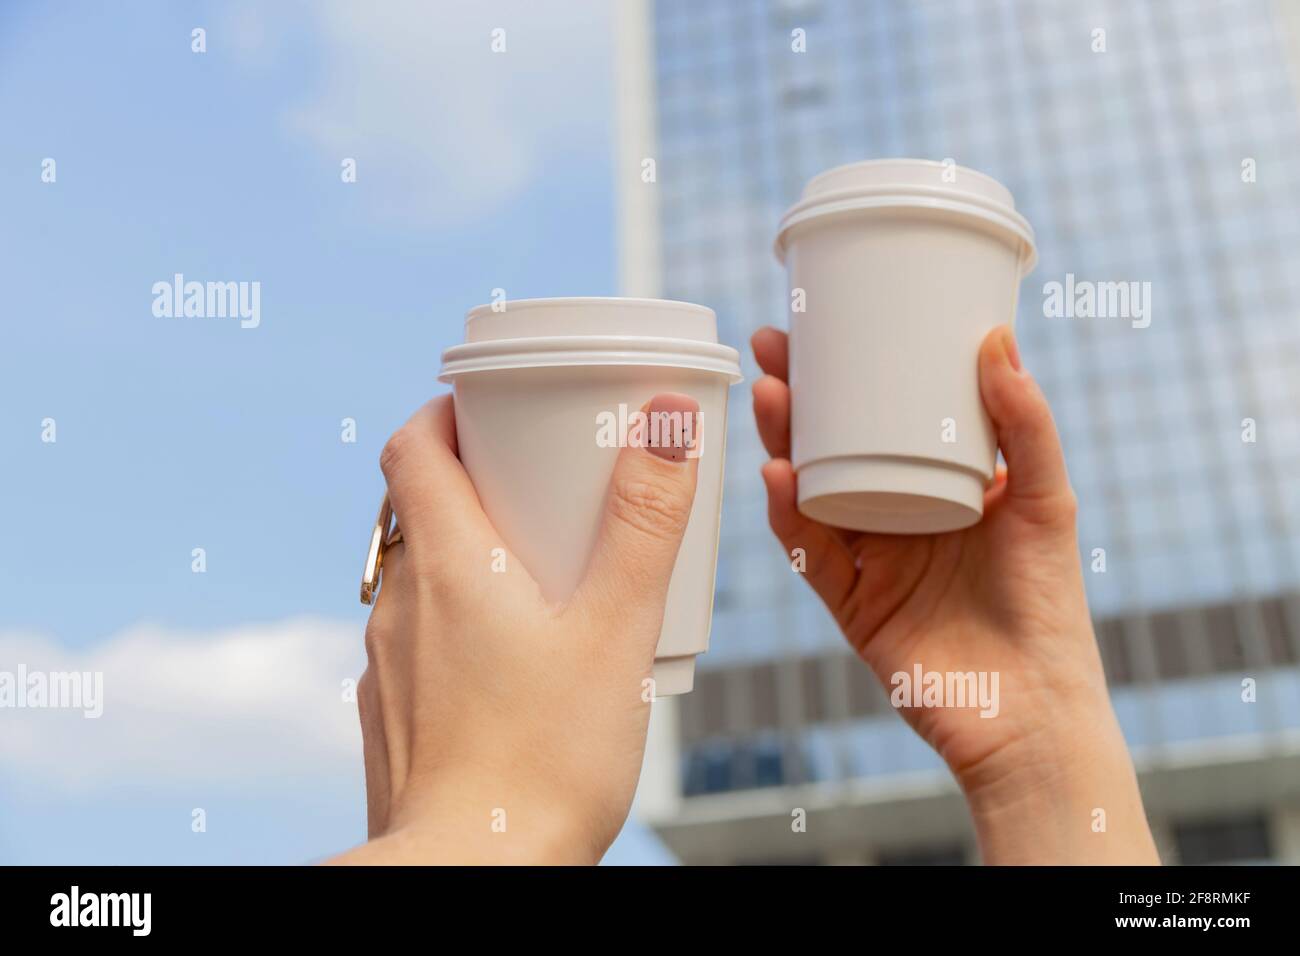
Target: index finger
pixel 432 496
pixel 772 352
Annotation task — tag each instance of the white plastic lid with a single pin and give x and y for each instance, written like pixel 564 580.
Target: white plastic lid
pixel 915 183
pixel 539 333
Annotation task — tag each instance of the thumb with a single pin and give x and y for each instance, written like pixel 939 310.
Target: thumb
pixel 646 510
pixel 1025 428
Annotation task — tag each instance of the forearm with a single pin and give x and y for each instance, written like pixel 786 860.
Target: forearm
pixel 1071 798
pixel 467 828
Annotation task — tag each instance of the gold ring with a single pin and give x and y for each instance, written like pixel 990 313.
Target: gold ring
pixel 380 540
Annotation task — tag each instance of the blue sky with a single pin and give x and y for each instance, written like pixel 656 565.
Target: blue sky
pixel 474 171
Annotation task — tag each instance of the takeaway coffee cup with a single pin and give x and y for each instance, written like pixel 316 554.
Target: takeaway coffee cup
pixel 540 386
pixel 898 268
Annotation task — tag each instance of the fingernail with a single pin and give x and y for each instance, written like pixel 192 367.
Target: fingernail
pixel 1012 349
pixel 673 427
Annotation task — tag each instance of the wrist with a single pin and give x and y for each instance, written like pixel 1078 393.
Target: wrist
pixel 469 827
pixel 1063 794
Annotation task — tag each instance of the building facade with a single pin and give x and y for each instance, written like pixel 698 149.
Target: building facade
pixel 1145 141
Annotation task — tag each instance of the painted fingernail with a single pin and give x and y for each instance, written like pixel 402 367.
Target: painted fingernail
pixel 673 427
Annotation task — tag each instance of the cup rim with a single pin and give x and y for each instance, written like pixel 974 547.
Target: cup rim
pixel 907 161
pixel 998 209
pixel 560 351
pixel 591 301
pixel 855 199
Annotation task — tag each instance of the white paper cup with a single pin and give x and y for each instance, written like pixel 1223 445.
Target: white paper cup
pixel 902 274
pixel 531 385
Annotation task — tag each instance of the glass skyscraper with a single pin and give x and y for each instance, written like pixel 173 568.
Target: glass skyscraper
pixel 1147 141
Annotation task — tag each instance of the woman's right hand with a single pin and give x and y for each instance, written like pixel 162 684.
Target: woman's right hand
pixel 1005 596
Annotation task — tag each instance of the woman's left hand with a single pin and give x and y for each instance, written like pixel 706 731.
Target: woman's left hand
pixel 498 727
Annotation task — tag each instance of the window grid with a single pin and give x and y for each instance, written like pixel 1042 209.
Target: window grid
pixel 1128 164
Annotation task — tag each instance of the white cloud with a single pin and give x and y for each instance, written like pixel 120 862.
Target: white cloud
pixel 441 127
pixel 255 706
